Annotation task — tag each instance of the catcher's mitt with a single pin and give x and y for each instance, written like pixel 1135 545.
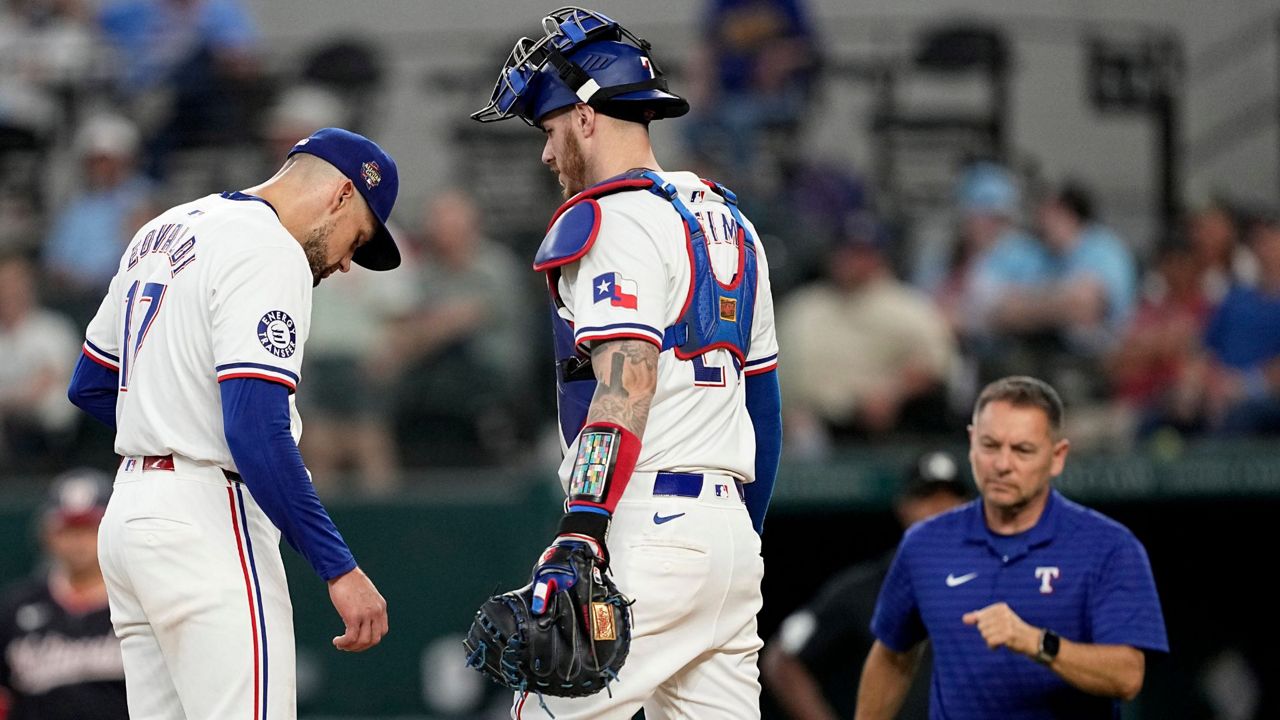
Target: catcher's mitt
pixel 575 648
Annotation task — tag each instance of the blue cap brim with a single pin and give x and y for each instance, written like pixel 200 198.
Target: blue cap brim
pixel 380 253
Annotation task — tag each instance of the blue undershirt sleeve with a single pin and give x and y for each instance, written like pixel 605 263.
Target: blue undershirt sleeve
pixel 255 418
pixel 93 389
pixel 764 405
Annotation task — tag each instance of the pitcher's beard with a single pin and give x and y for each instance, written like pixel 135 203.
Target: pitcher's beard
pixel 316 246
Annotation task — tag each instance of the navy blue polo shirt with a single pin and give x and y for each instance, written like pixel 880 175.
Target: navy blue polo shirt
pixel 1077 572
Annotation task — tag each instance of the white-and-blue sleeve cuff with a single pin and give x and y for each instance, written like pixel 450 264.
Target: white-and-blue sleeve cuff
pixel 639 331
pixel 260 371
pixel 100 356
pixel 761 365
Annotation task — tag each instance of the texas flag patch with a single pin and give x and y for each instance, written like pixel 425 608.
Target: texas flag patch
pixel 619 291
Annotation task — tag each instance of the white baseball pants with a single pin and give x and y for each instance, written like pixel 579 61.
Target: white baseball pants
pixel 691 562
pixel 198 595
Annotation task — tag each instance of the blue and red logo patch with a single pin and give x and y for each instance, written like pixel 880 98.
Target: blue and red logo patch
pixel 278 334
pixel 371 173
pixel 619 291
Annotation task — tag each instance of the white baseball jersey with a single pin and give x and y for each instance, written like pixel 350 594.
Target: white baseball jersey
pixel 633 283
pixel 689 560
pixel 210 290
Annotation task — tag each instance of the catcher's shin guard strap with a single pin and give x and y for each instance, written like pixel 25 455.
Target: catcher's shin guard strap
pixel 607 455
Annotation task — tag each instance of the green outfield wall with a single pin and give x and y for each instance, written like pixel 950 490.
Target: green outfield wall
pixel 1206 514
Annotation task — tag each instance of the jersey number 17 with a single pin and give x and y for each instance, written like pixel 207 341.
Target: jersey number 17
pixel 151 295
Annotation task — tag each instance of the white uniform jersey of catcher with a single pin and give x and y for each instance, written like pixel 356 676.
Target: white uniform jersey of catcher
pixel 690 560
pixel 698 419
pixel 208 291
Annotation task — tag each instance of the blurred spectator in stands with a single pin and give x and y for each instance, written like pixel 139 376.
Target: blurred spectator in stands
pixel 299 111
pixel 866 354
pixel 1078 283
pixel 1243 341
pixel 46 53
pixel 753 71
pixel 46 57
pixel 189 70
pixel 1215 232
pixel 802 220
pixel 347 400
pixel 1052 306
pixel 91 230
pixel 59 657
pixel 969 283
pixel 39 349
pixel 352 68
pixel 1153 364
pixel 813 663
pixel 460 357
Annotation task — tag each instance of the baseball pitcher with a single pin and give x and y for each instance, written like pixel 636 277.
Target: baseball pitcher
pixel 193 358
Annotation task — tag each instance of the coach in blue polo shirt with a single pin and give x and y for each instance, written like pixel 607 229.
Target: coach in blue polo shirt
pixel 1036 607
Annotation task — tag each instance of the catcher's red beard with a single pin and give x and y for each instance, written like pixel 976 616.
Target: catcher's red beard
pixel 570 168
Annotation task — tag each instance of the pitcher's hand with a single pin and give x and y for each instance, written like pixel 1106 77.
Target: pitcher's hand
pixel 362 608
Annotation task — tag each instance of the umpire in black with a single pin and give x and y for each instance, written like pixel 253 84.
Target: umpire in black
pixel 812 665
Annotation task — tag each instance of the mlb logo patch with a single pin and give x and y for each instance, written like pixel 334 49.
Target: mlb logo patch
pixel 619 291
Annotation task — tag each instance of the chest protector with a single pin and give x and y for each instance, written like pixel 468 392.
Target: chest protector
pixel 715 315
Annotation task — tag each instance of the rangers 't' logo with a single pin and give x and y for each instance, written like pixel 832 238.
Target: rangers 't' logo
pixel 371 173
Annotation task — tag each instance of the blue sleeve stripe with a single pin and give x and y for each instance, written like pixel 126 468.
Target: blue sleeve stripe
pixel 584 335
pixel 763 360
pixel 618 326
pixel 257 366
pixel 100 353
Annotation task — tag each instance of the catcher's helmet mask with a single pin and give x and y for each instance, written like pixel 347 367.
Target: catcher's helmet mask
pixel 541 76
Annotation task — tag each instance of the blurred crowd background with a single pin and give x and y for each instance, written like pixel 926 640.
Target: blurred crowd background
pixel 948 193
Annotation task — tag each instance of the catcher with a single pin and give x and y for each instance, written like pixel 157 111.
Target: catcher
pixel 668 398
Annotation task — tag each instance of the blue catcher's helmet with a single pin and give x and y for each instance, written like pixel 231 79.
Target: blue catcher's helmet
pixel 583 56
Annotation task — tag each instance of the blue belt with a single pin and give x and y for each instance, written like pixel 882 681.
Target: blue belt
pixel 684 484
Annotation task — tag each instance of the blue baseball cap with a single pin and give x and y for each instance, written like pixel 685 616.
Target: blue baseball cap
pixel 374 175
pixel 986 188
pixel 861 229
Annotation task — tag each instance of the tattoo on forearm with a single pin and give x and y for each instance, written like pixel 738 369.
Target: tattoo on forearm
pixel 627 375
pixel 613 385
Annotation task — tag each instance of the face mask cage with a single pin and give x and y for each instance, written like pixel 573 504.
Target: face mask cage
pixel 563 30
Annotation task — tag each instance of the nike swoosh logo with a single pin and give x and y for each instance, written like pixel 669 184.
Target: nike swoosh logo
pixel 953 581
pixel 659 519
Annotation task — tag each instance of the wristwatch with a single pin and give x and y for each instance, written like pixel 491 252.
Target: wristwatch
pixel 1049 644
